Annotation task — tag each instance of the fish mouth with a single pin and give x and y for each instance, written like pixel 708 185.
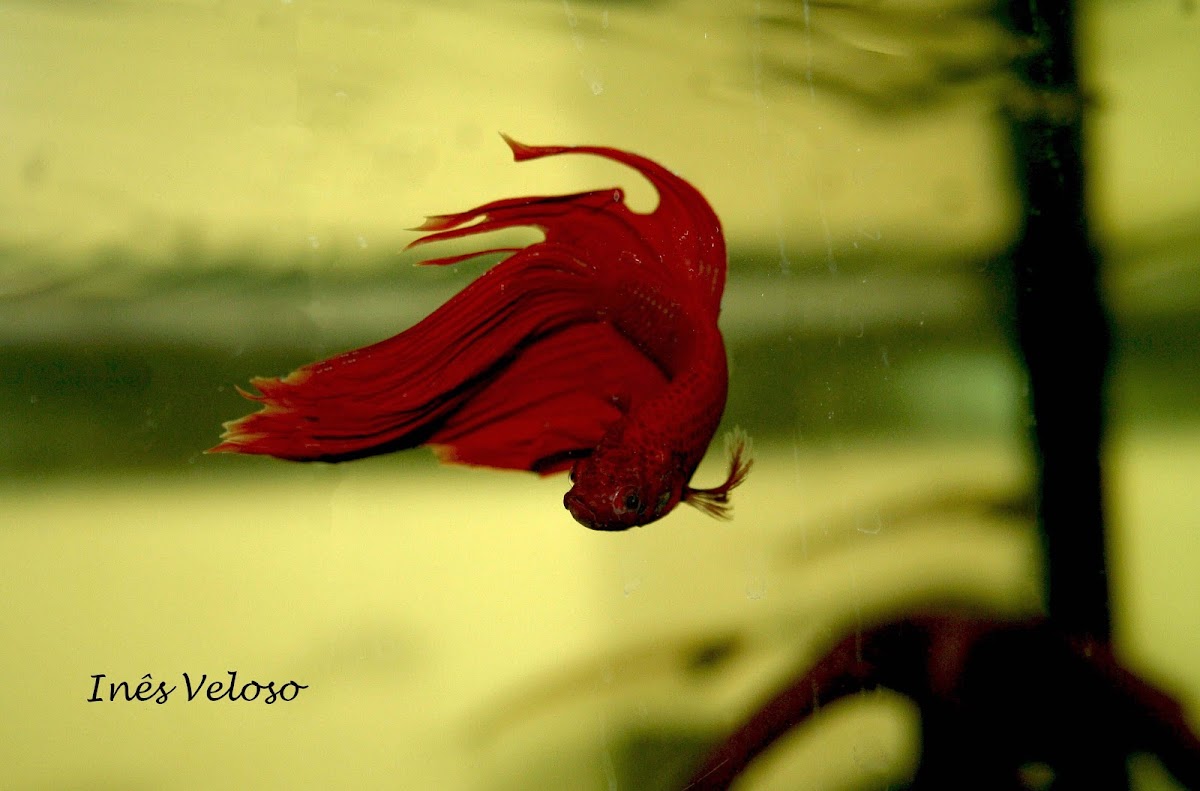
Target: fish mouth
pixel 587 517
pixel 582 512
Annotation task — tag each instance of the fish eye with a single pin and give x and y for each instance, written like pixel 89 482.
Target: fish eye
pixel 632 502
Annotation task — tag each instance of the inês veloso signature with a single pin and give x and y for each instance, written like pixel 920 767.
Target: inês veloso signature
pixel 195 688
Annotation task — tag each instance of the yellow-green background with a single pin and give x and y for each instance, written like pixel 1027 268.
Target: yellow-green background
pixel 192 193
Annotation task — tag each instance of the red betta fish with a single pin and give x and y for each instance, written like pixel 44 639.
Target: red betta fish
pixel 594 350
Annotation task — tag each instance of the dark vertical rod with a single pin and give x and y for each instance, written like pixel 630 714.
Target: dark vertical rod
pixel 1063 333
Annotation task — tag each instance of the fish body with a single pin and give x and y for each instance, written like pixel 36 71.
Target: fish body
pixel 595 350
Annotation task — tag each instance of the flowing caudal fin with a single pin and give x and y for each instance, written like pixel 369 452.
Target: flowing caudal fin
pixel 395 393
pixel 486 368
pixel 715 501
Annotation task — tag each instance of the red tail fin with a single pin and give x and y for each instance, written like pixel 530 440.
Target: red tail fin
pixel 393 394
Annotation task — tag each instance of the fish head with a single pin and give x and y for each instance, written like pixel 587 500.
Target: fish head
pixel 620 489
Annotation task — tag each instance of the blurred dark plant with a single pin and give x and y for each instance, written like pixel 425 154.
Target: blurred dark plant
pixel 1004 704
pixel 1037 702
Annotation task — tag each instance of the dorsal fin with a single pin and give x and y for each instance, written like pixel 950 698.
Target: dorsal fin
pixel 678 245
